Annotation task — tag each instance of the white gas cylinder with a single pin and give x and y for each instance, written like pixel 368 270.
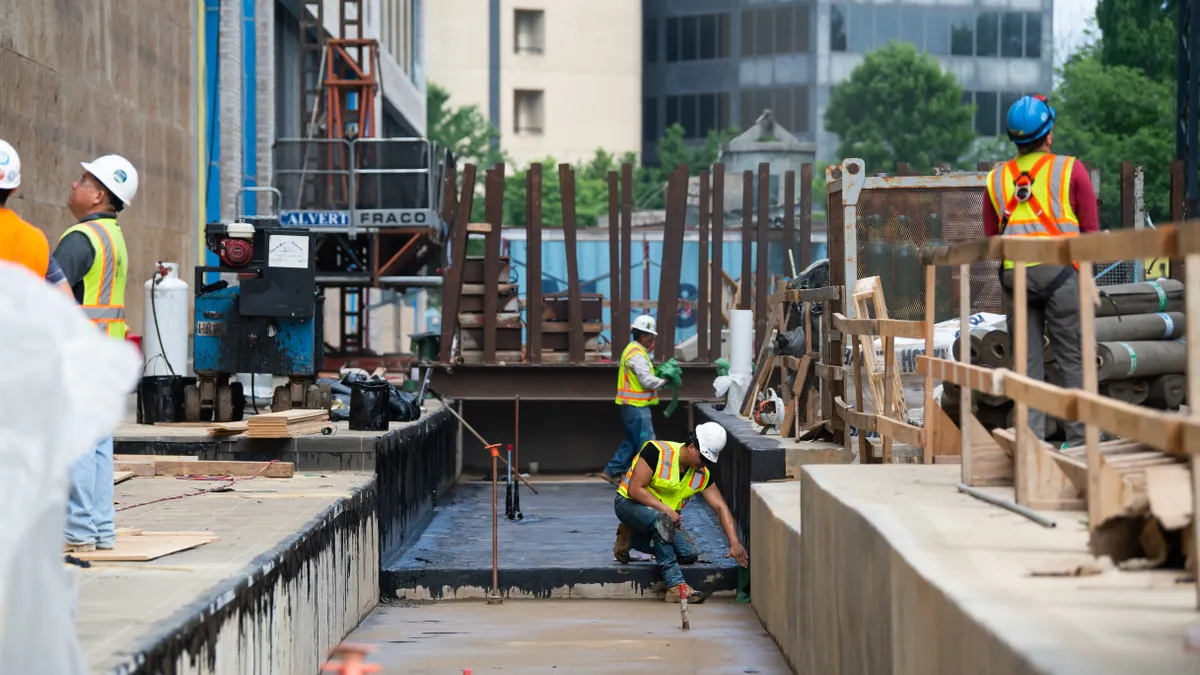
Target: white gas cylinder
pixel 169 301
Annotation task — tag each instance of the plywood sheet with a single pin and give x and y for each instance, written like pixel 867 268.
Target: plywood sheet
pixel 140 546
pixel 122 476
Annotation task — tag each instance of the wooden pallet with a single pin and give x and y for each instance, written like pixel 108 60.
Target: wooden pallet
pixel 141 546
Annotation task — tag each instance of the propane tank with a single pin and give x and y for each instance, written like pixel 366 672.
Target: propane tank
pixel 168 301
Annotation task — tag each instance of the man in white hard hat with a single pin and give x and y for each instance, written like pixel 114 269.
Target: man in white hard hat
pixel 650 502
pixel 93 256
pixel 637 387
pixel 22 243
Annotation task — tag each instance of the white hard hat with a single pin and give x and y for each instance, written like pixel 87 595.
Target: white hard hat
pixel 645 323
pixel 711 438
pixel 117 174
pixel 10 167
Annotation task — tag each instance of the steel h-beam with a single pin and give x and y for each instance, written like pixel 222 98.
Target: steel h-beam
pixel 1187 99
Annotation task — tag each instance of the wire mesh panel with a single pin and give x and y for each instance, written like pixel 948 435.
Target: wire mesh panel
pixel 893 224
pixel 313 173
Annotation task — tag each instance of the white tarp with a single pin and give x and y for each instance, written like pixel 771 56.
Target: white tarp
pixel 62 388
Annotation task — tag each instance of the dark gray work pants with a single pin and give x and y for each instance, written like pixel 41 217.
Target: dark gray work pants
pixel 1057 318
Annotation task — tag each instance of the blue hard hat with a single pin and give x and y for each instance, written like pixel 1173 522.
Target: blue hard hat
pixel 1029 120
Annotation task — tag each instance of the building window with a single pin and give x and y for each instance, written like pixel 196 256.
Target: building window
pixel 986 111
pixel 962 35
pixel 650 41
pixel 887 24
pixel 912 27
pixel 937 33
pixel 529 28
pixel 837 29
pixel 789 106
pixel 780 30
pixel 987 34
pixel 1011 35
pixel 528 112
pixel 861 35
pixel 698 38
pixel 698 114
pixel 1033 36
pixel 784 30
pixel 650 120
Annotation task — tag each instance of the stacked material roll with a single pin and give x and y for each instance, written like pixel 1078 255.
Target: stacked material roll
pixel 1147 297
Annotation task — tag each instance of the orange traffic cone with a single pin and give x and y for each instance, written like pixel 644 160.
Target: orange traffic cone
pixel 352 660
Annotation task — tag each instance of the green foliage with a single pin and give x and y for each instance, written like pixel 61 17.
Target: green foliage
pixel 990 150
pixel 464 130
pixel 897 106
pixel 1109 114
pixel 1139 34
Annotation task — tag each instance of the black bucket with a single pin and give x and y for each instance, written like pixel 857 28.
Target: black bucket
pixel 160 399
pixel 369 405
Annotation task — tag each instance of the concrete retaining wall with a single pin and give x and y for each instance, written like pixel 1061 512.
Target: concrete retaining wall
pixel 775 565
pixel 414 464
pixel 296 603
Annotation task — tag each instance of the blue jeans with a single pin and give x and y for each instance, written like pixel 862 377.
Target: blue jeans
pixel 638 429
pixel 641 520
pixel 90 510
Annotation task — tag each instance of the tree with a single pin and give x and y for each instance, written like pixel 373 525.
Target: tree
pixel 1139 34
pixel 1109 114
pixel 464 130
pixel 896 106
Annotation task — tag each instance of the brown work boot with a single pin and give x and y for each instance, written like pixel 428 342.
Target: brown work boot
pixel 693 596
pixel 624 542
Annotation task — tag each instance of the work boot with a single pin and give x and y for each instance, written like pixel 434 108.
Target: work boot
pixel 693 596
pixel 624 542
pixel 78 548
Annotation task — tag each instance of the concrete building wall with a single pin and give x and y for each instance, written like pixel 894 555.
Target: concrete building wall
pixel 83 79
pixel 570 73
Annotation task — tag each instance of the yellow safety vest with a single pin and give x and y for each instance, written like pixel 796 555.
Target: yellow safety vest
pixel 629 387
pixel 104 283
pixel 673 489
pixel 1047 212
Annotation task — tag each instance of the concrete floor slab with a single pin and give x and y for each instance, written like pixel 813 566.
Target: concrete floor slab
pixel 562 548
pixel 560 638
pixel 122 607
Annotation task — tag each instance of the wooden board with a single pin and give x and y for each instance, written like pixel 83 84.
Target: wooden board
pixel 228 428
pixel 287 423
pixel 172 467
pixel 1047 487
pixel 122 476
pixel 139 546
pixel 867 295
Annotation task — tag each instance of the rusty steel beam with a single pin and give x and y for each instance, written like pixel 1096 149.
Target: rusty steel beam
pixel 614 257
pixel 717 277
pixel 533 263
pixel 453 288
pixel 494 209
pixel 566 180
pixel 626 257
pixel 672 259
pixel 702 300
pixel 760 268
pixel 555 382
pixel 747 236
pixel 806 180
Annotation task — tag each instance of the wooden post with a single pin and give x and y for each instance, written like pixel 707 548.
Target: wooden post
pixel 789 225
pixel 494 208
pixel 672 258
pixel 930 302
pixel 614 262
pixel 716 284
pixel 747 237
pixel 889 368
pixel 1087 341
pixel 964 401
pixel 761 290
pixel 626 250
pixel 1024 471
pixel 866 455
pixel 453 288
pixel 702 302
pixel 566 179
pixel 806 197
pixel 533 265
pixel 1191 299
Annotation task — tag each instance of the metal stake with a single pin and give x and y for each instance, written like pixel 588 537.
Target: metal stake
pixel 494 598
pixel 508 488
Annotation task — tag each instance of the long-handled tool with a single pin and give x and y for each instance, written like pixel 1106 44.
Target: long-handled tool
pixel 471 429
pixel 683 615
pixel 494 597
pixel 508 490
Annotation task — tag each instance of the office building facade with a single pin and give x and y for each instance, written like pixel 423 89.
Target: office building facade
pixel 710 64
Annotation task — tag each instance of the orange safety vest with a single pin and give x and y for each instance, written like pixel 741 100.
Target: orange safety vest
pixel 629 387
pixel 1031 194
pixel 23 244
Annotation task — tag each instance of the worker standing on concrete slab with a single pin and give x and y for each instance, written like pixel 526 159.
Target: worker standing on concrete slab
pixel 93 257
pixel 650 502
pixel 1040 194
pixel 20 242
pixel 637 387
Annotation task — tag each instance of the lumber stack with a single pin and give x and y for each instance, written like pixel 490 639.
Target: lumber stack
pixel 287 423
pixel 472 319
pixel 556 326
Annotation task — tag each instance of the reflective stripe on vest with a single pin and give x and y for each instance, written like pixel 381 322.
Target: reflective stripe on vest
pixel 1047 212
pixel 666 483
pixel 629 388
pixel 104 284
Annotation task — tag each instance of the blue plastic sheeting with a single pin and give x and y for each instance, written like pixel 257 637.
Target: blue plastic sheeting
pixel 594 271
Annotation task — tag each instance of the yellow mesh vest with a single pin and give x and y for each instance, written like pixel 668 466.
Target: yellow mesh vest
pixel 1050 199
pixel 667 484
pixel 104 283
pixel 629 388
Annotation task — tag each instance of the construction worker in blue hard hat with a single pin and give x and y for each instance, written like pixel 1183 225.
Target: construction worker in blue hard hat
pixel 1040 194
pixel 637 387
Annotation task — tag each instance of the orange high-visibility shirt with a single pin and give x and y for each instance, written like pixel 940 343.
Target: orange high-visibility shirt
pixel 23 244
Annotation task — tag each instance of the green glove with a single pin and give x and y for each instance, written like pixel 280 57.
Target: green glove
pixel 722 365
pixel 673 374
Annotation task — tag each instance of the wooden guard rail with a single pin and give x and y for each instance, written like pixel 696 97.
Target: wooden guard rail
pixel 1045 478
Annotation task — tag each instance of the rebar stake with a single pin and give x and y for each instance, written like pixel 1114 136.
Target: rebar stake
pixel 683 615
pixel 494 597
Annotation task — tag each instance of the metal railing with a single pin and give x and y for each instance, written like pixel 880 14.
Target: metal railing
pixel 368 183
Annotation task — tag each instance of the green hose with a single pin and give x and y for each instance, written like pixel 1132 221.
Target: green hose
pixel 673 374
